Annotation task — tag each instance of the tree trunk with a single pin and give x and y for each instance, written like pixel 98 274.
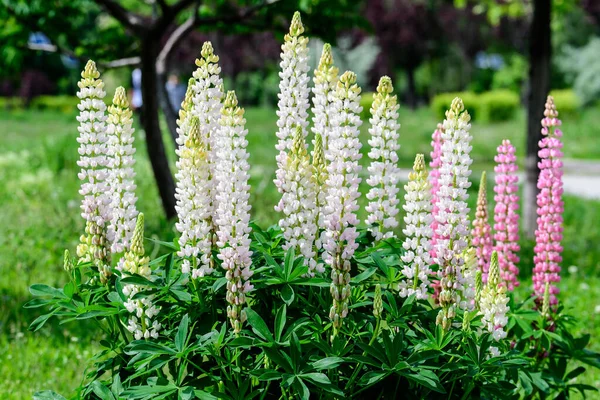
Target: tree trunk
pixel 150 122
pixel 167 109
pixel 540 50
pixel 411 95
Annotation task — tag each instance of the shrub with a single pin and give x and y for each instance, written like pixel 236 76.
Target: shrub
pixel 10 103
pixel 493 106
pixel 62 104
pixel 442 101
pixel 566 101
pixel 498 105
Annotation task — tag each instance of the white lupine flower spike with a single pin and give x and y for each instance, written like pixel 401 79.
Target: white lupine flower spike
pixel 121 175
pixel 95 207
pixel 417 259
pixel 207 103
pixel 383 170
pixel 493 302
pixel 193 204
pixel 142 324
pixel 452 216
pixel 293 94
pixel 342 193
pixel 325 81
pixel 233 212
pixel 298 204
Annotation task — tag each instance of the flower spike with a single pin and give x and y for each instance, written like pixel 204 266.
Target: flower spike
pixel 121 175
pixel 549 232
pixel 384 171
pixel 417 259
pixel 342 188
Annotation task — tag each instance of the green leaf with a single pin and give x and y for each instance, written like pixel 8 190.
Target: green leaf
pixel 169 245
pixel 219 283
pixel 37 324
pixel 380 264
pixel 574 373
pixel 366 274
pixel 168 268
pixel 102 391
pixel 288 264
pixel 372 377
pixel 142 346
pixel 139 280
pixel 301 388
pixel 428 379
pixel 38 302
pixel 202 395
pixel 287 294
pixel 539 382
pixel 269 375
pixel 69 289
pixel 98 313
pixel 45 290
pixel 327 363
pixel 47 395
pixel 317 377
pixel 182 332
pixel 280 319
pixel 295 351
pixel 258 325
pixel 181 295
pixel 117 386
pixel 186 393
pixel 297 272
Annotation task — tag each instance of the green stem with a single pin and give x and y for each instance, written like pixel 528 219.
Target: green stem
pixel 360 364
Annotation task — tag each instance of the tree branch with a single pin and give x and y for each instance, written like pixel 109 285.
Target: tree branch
pixel 129 19
pixel 240 16
pixel 122 62
pixel 174 39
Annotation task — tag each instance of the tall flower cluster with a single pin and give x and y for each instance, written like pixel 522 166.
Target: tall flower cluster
pixel 233 212
pixel 293 94
pixel 325 81
pixel 143 323
pixel 434 176
pixel 417 259
pixel 319 179
pixel 298 204
pixel 207 104
pixel 384 171
pixel 452 216
pixel 95 207
pixel 506 217
pixel 193 204
pixel 549 232
pixel 493 302
pixel 481 234
pixel 342 192
pixel 121 176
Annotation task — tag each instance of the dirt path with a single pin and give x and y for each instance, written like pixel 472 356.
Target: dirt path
pixel 581 178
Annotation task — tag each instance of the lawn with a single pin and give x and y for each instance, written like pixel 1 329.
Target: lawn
pixel 39 210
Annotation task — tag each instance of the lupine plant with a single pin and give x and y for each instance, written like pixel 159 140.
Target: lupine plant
pixel 319 305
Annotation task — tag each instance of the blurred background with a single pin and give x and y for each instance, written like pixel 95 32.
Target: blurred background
pixel 501 56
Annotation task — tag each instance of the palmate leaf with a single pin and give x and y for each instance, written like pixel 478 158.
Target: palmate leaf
pixel 259 327
pixel 426 378
pixel 182 333
pixel 47 395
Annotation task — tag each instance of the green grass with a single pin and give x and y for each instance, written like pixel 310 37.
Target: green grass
pixel 39 210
